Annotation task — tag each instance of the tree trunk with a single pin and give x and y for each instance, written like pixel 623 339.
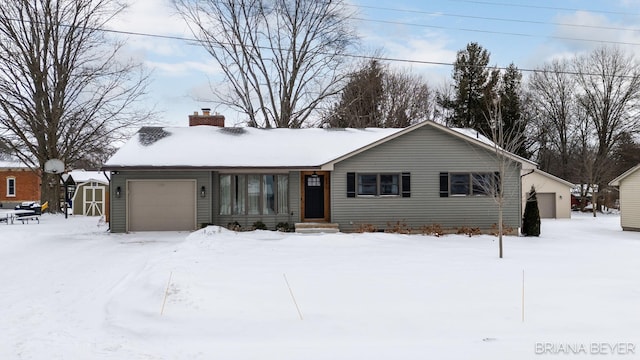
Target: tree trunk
pixel 50 191
pixel 500 229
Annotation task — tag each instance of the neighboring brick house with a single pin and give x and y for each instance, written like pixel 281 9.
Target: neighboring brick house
pixel 18 183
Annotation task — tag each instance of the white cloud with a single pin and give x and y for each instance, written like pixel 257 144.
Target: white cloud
pixel 428 47
pixel 151 16
pixel 181 69
pixel 598 29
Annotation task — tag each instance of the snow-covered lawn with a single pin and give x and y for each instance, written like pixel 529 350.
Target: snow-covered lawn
pixel 71 290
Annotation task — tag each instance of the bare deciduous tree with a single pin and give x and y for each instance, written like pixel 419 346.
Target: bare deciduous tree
pixel 377 96
pixel 505 141
pixel 64 93
pixel 407 99
pixel 360 102
pixel 553 90
pixel 280 58
pixel 609 92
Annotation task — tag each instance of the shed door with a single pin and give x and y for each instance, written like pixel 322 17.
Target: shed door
pixel 547 205
pixel 93 200
pixel 161 205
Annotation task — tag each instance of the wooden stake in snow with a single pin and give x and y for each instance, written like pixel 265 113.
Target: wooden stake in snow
pixel 292 296
pixel 522 295
pixel 166 293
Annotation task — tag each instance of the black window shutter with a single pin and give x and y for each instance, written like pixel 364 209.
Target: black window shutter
pixel 406 184
pixel 351 185
pixel 496 178
pixel 444 184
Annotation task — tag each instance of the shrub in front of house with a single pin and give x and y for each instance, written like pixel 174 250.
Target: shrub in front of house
pixel 531 217
pixel 234 226
pixel 399 227
pixel 259 225
pixel 285 227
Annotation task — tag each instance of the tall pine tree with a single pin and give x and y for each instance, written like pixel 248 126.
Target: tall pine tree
pixel 513 121
pixel 475 88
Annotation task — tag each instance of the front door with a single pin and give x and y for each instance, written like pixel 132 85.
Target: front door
pixel 314 196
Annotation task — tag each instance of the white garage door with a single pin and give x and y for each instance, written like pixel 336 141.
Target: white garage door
pixel 161 205
pixel 547 205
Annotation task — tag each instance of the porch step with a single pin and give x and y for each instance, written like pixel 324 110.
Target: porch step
pixel 316 228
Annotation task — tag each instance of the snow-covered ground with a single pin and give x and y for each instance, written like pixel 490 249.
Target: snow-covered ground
pixel 71 290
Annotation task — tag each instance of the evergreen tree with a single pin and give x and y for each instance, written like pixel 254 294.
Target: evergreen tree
pixel 626 154
pixel 511 102
pixel 377 96
pixel 475 88
pixel 360 101
pixel 531 217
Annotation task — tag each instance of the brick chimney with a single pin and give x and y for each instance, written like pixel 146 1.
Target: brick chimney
pixel 206 119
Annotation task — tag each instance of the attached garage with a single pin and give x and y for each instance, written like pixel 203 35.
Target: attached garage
pixel 161 205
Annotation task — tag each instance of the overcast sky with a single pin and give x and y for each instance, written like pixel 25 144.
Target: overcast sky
pixel 527 33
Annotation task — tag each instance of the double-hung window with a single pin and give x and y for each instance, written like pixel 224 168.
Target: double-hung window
pixel 11 187
pixel 468 184
pixel 367 184
pixel 385 184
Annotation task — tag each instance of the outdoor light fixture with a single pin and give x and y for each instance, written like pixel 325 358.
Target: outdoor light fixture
pixel 118 191
pixel 202 191
pixel 315 175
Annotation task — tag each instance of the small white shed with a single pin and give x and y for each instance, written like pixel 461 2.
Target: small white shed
pixel 629 185
pixel 553 193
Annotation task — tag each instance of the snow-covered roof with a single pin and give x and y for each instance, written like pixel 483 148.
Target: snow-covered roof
pixel 474 134
pixel 82 176
pixel 216 147
pixel 553 177
pixel 208 146
pixel 4 164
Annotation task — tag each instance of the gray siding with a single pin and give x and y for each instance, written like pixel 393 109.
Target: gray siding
pixel 118 206
pixel 424 152
pixel 246 221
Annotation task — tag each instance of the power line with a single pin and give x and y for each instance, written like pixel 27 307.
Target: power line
pixel 194 41
pixel 500 32
pixel 197 42
pixel 519 21
pixel 494 3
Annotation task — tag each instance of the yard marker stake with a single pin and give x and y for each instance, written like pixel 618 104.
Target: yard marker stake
pixel 522 295
pixel 292 296
pixel 166 293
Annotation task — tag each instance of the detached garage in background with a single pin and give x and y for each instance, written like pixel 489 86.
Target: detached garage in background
pixel 553 193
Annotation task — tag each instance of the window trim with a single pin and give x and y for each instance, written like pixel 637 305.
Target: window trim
pixel 468 184
pixel 402 184
pixel 359 184
pixel 14 186
pixel 446 184
pixel 233 190
pixel 397 177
